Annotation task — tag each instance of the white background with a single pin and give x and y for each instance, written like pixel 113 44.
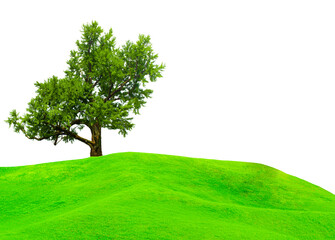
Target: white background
pixel 245 80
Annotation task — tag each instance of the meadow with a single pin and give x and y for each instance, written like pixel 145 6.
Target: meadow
pixel 154 196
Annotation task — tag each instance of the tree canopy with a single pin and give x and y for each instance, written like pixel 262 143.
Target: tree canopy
pixel 101 87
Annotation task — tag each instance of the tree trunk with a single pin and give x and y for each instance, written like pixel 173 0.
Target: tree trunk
pixel 96 149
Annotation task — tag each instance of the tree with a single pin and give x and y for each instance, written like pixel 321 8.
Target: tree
pixel 102 86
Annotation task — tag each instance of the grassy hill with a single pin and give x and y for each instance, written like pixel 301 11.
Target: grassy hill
pixel 152 196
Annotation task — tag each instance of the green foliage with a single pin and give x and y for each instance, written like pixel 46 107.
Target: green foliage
pixel 153 196
pixel 102 86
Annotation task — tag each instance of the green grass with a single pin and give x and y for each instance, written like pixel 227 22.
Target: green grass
pixel 152 196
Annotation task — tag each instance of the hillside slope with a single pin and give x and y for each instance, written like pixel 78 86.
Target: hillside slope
pixel 152 196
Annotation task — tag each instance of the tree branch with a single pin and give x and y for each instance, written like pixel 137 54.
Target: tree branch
pixel 119 88
pixel 56 140
pixel 97 81
pixel 60 131
pixel 110 89
pixel 71 134
pixel 78 121
pixel 38 139
pixel 111 94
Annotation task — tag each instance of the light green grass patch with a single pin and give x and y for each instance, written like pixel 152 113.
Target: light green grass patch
pixel 153 196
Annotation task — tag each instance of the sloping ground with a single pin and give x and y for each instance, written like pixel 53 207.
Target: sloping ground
pixel 151 196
